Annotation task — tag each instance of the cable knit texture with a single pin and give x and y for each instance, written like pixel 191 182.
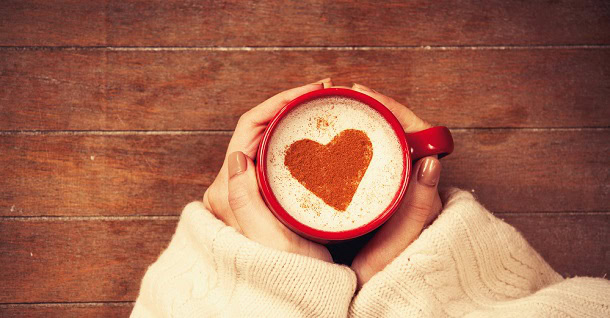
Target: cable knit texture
pixel 467 263
pixel 211 270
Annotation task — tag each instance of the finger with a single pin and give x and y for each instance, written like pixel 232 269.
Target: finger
pixel 409 121
pixel 217 203
pixel 405 225
pixel 327 82
pixel 252 123
pixel 249 209
pixel 437 206
pixel 263 112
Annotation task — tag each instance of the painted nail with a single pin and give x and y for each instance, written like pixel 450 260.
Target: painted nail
pixel 326 83
pixel 237 163
pixel 429 172
pixel 362 88
pixel 322 81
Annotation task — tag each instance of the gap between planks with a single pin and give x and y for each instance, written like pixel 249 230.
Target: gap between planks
pixel 61 304
pixel 304 48
pixel 177 217
pixel 91 218
pixel 229 132
pixel 114 132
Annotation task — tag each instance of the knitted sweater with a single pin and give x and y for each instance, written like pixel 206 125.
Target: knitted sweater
pixel 466 263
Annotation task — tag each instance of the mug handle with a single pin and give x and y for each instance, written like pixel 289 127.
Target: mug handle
pixel 429 142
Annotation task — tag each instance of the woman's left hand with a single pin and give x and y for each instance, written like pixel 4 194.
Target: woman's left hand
pixel 234 197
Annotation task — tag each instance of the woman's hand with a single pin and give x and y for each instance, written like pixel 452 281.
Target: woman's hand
pixel 419 207
pixel 234 197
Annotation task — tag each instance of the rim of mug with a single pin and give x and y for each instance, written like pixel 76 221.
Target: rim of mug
pixel 303 229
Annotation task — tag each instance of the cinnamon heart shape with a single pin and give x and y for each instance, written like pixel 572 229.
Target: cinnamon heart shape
pixel 332 172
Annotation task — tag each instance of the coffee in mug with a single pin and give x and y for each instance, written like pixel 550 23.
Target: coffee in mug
pixel 334 163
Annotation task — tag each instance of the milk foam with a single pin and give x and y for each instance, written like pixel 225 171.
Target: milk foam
pixel 321 120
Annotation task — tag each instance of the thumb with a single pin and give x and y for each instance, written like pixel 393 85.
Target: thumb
pixel 254 218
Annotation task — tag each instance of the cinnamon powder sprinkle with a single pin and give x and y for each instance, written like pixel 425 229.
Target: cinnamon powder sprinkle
pixel 321 123
pixel 332 172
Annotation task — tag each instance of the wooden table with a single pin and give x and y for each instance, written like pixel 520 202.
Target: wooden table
pixel 115 114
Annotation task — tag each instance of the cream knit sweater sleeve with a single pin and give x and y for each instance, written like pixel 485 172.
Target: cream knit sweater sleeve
pixel 467 263
pixel 211 270
pixel 470 263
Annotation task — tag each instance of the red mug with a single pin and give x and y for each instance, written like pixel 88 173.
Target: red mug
pixel 432 141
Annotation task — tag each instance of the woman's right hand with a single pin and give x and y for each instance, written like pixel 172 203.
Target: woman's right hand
pixel 419 207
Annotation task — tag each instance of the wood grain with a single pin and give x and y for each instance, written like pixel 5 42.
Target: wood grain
pixel 573 244
pixel 61 260
pixel 157 174
pixel 147 174
pixel 81 260
pixel 532 170
pixel 296 23
pixel 66 310
pixel 200 90
pixel 531 78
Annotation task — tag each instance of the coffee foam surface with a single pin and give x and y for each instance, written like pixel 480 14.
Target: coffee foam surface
pixel 321 120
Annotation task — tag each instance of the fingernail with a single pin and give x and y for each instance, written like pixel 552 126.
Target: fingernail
pixel 360 87
pixel 326 83
pixel 429 172
pixel 237 163
pixel 322 81
pixel 318 85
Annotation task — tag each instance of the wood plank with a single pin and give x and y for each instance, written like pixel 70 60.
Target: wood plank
pixel 63 260
pixel 201 90
pixel 296 23
pixel 66 310
pixel 60 260
pixel 532 170
pixel 573 244
pixel 156 174
pixel 116 174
